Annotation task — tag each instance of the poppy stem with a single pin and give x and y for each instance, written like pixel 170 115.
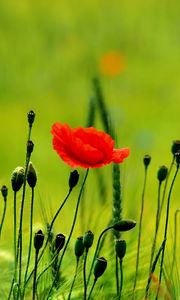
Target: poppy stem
pixel 71 231
pixel 175 240
pixel 95 279
pixel 3 216
pixel 117 278
pixel 35 274
pixel 121 281
pixel 84 273
pixel 75 275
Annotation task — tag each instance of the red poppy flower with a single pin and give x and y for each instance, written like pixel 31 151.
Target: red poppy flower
pixel 85 147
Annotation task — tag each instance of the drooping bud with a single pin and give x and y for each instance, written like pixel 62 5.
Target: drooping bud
pixel 175 147
pixel 73 179
pixel 30 147
pixel 177 156
pixel 79 247
pixel 88 239
pixel 59 242
pixel 17 178
pixel 4 191
pixel 31 117
pixel 38 240
pixel 124 225
pixel 31 176
pixel 162 173
pixel 147 160
pixel 120 246
pixel 99 267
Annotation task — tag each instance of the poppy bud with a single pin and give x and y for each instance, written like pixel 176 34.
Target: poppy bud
pixel 175 147
pixel 120 246
pixel 99 267
pixel 31 117
pixel 79 247
pixel 147 160
pixel 30 147
pixel 177 155
pixel 124 225
pixel 17 178
pixel 162 173
pixel 59 242
pixel 31 176
pixel 73 179
pixel 88 239
pixel 38 240
pixel 4 191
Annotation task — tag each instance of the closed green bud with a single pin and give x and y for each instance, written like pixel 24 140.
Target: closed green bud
pixel 162 173
pixel 120 246
pixel 31 117
pixel 59 242
pixel 38 240
pixel 73 179
pixel 175 147
pixel 17 178
pixel 79 247
pixel 99 267
pixel 4 191
pixel 147 160
pixel 31 176
pixel 88 239
pixel 177 156
pixel 124 225
pixel 30 147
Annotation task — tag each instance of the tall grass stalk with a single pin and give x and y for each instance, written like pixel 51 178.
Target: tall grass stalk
pixel 175 240
pixel 166 229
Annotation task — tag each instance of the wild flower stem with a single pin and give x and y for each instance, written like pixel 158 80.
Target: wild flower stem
pixel 121 281
pixel 117 278
pixel 140 229
pixel 30 237
pixel 166 229
pixel 35 274
pixel 3 216
pixel 71 231
pixel 84 273
pixel 75 275
pixel 175 240
pixel 49 233
pixel 95 279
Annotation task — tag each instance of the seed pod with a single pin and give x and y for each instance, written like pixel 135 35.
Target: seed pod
pixel 17 178
pixel 147 160
pixel 31 117
pixel 99 267
pixel 175 147
pixel 59 242
pixel 31 176
pixel 4 191
pixel 30 147
pixel 162 173
pixel 88 239
pixel 120 246
pixel 177 155
pixel 79 247
pixel 73 179
pixel 124 225
pixel 38 240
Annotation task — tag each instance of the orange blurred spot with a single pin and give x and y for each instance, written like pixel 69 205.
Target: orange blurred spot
pixel 111 63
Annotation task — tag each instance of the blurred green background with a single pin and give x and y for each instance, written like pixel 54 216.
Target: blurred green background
pixel 49 53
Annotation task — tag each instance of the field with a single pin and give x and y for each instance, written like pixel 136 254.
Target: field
pixel 50 52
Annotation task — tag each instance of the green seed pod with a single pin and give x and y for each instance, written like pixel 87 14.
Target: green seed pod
pixel 88 239
pixel 31 117
pixel 147 160
pixel 17 178
pixel 31 176
pixel 38 240
pixel 73 179
pixel 30 147
pixel 4 191
pixel 99 267
pixel 124 225
pixel 79 247
pixel 120 246
pixel 177 155
pixel 162 173
pixel 175 147
pixel 59 242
